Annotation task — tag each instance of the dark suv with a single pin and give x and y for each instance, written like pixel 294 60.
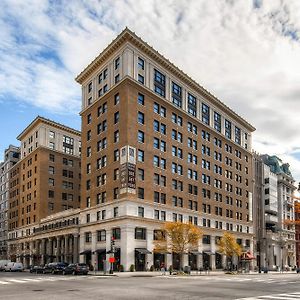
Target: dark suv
pixel 55 267
pixel 76 269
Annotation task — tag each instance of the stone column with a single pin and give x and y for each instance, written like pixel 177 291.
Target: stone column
pixel 50 249
pixel 66 248
pixel 127 247
pixel 94 253
pixel 224 261
pixel 32 251
pixel 58 248
pixel 213 256
pixel 75 248
pixel 185 258
pixel 81 247
pixel 43 251
pixel 169 261
pixel 149 257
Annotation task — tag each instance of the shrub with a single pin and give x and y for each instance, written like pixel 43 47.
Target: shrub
pixel 152 268
pixel 131 269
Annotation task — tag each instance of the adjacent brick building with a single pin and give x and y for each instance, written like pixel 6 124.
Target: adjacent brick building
pixel 45 181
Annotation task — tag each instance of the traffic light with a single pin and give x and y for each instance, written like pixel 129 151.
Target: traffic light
pixel 112 244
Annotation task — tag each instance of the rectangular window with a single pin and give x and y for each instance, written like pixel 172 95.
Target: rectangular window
pixel 141 79
pixel 176 94
pixel 141 174
pixel 205 114
pixel 117 63
pixel 141 193
pixel 140 155
pixel 101 235
pixel 192 105
pixel 116 117
pixel 141 212
pixel 141 99
pixel 217 121
pixel 141 118
pixel 117 99
pixel 116 233
pixel 228 129
pixel 237 135
pixel 141 63
pixel 159 83
pixel 140 233
pixel 88 237
pixel 141 136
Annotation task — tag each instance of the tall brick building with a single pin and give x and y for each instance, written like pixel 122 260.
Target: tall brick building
pixel 156 146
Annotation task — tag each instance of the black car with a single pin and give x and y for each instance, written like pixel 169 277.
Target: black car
pixel 54 268
pixel 76 269
pixel 36 269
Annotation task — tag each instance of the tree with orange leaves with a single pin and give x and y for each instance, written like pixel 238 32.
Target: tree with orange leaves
pixel 229 247
pixel 179 238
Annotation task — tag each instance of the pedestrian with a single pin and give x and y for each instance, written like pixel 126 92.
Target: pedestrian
pixel 163 269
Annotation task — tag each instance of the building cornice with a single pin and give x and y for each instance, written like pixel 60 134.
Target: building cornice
pixel 128 36
pixel 40 119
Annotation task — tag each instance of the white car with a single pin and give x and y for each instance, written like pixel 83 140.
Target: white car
pixel 3 263
pixel 14 267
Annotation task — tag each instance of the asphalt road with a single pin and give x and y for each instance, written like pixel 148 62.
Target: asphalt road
pixel 38 286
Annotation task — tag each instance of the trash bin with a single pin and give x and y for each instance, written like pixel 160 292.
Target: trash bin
pixel 187 270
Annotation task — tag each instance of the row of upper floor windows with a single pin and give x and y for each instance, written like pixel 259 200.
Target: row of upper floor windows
pixel 207 115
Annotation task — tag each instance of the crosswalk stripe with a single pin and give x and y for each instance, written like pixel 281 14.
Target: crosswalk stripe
pixel 16 280
pixel 289 296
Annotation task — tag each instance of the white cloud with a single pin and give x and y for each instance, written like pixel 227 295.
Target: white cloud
pixel 248 57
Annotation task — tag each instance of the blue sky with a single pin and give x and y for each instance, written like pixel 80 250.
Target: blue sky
pixel 246 52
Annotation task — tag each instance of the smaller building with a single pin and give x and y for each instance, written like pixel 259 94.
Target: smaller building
pixel 45 181
pixel 11 157
pixel 274 213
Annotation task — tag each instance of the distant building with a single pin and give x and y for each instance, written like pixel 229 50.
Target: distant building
pixel 11 157
pixel 274 213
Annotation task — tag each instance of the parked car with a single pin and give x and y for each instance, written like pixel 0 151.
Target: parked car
pixel 14 267
pixel 36 269
pixel 54 268
pixel 47 268
pixel 76 269
pixel 3 263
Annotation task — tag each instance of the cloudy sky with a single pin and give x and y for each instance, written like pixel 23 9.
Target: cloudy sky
pixel 246 52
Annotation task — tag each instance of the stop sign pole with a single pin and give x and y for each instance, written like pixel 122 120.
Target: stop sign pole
pixel 112 258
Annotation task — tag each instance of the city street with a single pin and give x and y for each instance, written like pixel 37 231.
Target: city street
pixel 31 286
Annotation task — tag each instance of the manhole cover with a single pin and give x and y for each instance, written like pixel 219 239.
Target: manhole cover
pixel 72 290
pixel 37 290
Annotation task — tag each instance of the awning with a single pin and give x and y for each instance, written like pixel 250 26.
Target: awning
pixel 143 250
pixel 195 252
pixel 247 256
pixel 208 252
pixel 85 252
pixel 100 251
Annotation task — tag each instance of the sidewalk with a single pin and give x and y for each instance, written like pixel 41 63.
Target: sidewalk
pixel 193 273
